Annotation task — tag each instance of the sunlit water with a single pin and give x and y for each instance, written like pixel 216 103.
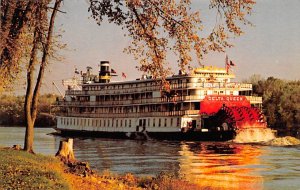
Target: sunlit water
pixel 210 164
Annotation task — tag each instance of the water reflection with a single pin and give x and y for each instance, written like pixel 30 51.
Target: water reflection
pixel 43 143
pixel 212 165
pixel 221 165
pixel 209 164
pixel 121 156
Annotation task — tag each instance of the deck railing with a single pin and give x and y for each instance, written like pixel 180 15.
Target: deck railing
pixel 147 114
pixel 130 102
pixel 254 99
pixel 142 89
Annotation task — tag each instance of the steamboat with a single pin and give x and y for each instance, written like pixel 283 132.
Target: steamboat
pixel 203 104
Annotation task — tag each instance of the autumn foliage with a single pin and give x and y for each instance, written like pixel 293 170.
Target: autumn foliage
pixel 157 27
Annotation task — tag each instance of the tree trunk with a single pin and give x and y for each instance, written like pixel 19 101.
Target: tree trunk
pixel 31 101
pixel 65 151
pixel 29 134
pixel 28 144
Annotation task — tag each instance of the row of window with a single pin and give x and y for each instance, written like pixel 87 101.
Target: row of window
pixel 159 122
pixel 121 86
pixel 118 97
pixel 130 86
pixel 139 96
pixel 95 122
pixel 174 83
pixel 137 109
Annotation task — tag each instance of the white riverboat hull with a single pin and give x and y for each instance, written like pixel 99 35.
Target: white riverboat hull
pixel 147 129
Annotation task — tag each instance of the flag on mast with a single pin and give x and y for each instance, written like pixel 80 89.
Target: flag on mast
pixel 227 64
pixel 231 63
pixel 226 60
pixel 112 71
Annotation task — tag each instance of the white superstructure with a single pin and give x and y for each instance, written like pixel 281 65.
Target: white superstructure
pixel 141 105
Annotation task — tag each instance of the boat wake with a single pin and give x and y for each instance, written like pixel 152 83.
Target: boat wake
pixel 284 141
pixel 264 136
pixel 254 135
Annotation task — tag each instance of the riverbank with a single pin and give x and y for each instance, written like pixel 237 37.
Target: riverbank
pixel 21 170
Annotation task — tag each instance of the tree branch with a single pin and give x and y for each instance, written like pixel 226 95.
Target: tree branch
pixel 44 58
pixel 53 8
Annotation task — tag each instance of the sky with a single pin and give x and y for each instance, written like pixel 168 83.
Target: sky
pixel 270 48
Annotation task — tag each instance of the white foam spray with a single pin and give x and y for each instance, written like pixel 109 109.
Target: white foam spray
pixel 266 136
pixel 253 134
pixel 284 141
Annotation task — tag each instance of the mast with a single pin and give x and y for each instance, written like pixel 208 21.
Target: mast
pixel 57 89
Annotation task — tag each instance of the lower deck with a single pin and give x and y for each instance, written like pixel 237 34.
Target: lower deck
pixel 116 124
pixel 174 136
pixel 172 128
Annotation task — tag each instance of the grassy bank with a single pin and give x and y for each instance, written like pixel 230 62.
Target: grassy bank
pixel 21 170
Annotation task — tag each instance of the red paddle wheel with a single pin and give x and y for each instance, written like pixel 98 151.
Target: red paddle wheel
pixel 232 112
pixel 241 117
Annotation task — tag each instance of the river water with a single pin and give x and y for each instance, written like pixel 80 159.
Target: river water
pixel 216 165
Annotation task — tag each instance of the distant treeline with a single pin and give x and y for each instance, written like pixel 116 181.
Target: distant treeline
pixel 281 101
pixel 12 110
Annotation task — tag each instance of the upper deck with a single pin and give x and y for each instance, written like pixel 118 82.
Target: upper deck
pixel 150 86
pixel 192 86
pixel 207 79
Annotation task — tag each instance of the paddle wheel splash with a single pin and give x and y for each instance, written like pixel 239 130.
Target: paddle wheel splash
pixel 235 113
pixel 248 123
